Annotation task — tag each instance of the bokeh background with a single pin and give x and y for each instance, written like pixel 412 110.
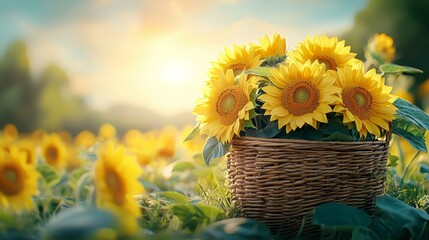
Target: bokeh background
pixel 75 64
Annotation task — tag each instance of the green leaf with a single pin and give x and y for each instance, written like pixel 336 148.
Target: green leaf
pixel 248 124
pixel 268 131
pixel 174 197
pixel 49 175
pixel 402 220
pixel 260 71
pixel 335 216
pixel 237 229
pixel 411 113
pixel 424 168
pixel 214 149
pixel 193 216
pixel 6 218
pixel 412 133
pixel 79 223
pixel 338 136
pixel 397 69
pixel 183 166
pixel 194 133
pixel 393 161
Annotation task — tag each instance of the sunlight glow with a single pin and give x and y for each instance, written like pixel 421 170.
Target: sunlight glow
pixel 176 73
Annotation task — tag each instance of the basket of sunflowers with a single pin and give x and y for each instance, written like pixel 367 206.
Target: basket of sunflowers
pixel 302 128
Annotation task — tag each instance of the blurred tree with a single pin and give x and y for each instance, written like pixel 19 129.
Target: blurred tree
pixel 17 93
pixel 58 107
pixel 406 21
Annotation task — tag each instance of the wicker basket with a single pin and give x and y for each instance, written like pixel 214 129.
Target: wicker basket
pixel 280 181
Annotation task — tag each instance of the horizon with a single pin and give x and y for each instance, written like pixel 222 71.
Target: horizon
pixel 156 53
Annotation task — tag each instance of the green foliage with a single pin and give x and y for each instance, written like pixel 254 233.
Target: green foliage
pixel 397 69
pixel 237 229
pixel 194 216
pixel 214 149
pixel 260 71
pixel 395 220
pixel 194 133
pixel 79 223
pixel 411 123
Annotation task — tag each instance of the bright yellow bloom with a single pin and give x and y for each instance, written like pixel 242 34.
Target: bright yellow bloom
pixel 167 142
pixel 107 131
pixel 116 182
pixel 404 95
pixel 29 147
pixel 54 152
pixel 365 100
pixel 381 48
pixel 132 137
pixel 225 106
pixel 267 49
pixel 301 94
pixel 10 131
pixel 18 181
pixel 85 139
pixel 237 59
pixel 325 50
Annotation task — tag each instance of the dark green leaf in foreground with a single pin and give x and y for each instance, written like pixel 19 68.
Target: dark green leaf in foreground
pixel 335 216
pixel 79 223
pixel 397 69
pixel 411 113
pixel 269 131
pixel 214 149
pixel 237 229
pixel 402 220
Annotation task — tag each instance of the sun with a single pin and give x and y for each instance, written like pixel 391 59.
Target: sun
pixel 176 73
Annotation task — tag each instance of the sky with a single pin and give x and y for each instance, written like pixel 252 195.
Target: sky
pixel 156 54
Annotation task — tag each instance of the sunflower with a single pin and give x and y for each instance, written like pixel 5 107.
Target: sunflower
pixel 237 59
pixel 381 48
pixel 116 182
pixel 225 106
pixel 18 181
pixel 107 131
pixel 85 139
pixel 365 100
pixel 167 142
pixel 267 49
pixel 301 94
pixel 29 147
pixel 325 50
pixel 54 152
pixel 10 131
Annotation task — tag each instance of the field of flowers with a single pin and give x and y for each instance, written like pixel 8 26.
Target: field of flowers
pixel 156 185
pixel 146 185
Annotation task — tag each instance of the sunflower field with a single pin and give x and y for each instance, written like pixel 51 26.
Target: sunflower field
pixel 172 182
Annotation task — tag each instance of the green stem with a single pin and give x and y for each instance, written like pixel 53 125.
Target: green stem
pixel 406 169
pixel 401 153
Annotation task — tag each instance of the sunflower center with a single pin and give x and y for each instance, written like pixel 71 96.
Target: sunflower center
pixel 116 186
pixel 237 68
pixel 328 61
pixel 11 180
pixel 51 154
pixel 300 97
pixel 358 100
pixel 229 103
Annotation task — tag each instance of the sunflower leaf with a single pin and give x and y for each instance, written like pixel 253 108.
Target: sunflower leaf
pixel 397 69
pixel 195 132
pixel 260 71
pixel 270 131
pixel 411 113
pixel 214 149
pixel 411 132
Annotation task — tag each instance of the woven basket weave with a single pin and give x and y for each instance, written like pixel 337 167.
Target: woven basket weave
pixel 281 181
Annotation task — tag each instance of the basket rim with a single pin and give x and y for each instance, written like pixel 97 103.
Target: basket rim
pixel 303 141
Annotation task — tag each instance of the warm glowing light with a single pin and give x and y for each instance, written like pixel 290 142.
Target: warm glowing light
pixel 176 73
